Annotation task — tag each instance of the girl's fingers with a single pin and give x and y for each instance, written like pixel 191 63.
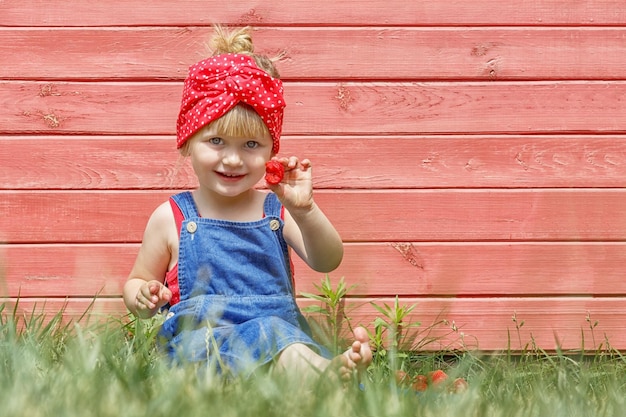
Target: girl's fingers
pixel 150 294
pixel 143 303
pixel 166 294
pixel 292 162
pixel 305 164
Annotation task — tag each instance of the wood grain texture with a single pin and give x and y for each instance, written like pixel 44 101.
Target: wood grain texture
pixel 322 53
pixel 393 162
pixel 472 154
pixel 323 108
pixel 65 270
pixel 303 12
pixel 382 269
pixel 388 216
pixel 453 323
pixel 93 163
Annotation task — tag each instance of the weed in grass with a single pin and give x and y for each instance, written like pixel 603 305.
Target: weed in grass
pixel 395 338
pixel 334 329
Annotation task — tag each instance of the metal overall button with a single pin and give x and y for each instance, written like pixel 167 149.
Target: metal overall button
pixel 274 225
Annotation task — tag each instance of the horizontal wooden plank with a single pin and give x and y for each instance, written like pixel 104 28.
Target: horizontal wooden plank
pixel 476 269
pixel 65 270
pixel 454 161
pixel 454 323
pixel 303 12
pixel 383 269
pixel 368 215
pixel 150 53
pixel 327 108
pixel 150 162
pixel 84 162
pixel 488 323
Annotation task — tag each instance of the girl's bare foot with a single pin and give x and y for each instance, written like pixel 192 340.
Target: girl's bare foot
pixel 300 358
pixel 357 358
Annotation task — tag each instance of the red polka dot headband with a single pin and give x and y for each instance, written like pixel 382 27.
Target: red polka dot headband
pixel 217 84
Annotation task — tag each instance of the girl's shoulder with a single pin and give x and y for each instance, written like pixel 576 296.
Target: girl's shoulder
pixel 162 219
pixel 163 212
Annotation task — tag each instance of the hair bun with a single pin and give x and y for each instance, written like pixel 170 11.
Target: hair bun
pixel 237 41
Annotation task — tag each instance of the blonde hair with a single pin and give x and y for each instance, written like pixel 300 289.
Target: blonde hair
pixel 239 41
pixel 241 120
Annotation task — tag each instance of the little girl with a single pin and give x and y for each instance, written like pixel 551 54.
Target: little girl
pixel 219 257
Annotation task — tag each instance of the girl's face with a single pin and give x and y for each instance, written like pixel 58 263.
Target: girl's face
pixel 228 166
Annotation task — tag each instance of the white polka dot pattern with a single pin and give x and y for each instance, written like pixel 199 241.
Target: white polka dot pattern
pixel 217 84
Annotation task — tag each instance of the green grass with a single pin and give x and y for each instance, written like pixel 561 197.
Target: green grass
pixel 112 369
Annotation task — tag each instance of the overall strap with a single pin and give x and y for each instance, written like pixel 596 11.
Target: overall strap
pixel 178 215
pixel 273 207
pixel 182 204
pixel 186 204
pixel 178 202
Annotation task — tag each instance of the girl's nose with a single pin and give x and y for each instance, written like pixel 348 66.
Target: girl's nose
pixel 231 157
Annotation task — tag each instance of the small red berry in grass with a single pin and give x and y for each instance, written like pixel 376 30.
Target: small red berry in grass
pixel 438 377
pixel 459 385
pixel 274 172
pixel 402 378
pixel 420 383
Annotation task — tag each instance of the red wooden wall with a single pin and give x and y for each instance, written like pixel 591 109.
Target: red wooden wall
pixel 472 153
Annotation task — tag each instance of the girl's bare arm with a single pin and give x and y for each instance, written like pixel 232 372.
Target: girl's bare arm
pixel 144 292
pixel 307 229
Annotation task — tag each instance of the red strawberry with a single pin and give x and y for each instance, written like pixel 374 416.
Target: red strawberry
pixel 274 172
pixel 402 378
pixel 420 383
pixel 438 377
pixel 459 385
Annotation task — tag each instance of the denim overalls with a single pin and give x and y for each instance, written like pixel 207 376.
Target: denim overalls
pixel 237 306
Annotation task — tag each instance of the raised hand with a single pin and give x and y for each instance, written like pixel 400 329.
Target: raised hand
pixel 295 191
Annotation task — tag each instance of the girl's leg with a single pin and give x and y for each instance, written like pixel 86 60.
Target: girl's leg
pixel 301 360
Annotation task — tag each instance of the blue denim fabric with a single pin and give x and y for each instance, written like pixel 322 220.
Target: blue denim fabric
pixel 237 305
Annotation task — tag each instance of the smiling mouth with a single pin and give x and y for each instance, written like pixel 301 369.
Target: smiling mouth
pixel 230 176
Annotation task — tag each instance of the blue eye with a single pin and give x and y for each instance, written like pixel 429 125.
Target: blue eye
pixel 252 144
pixel 216 141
